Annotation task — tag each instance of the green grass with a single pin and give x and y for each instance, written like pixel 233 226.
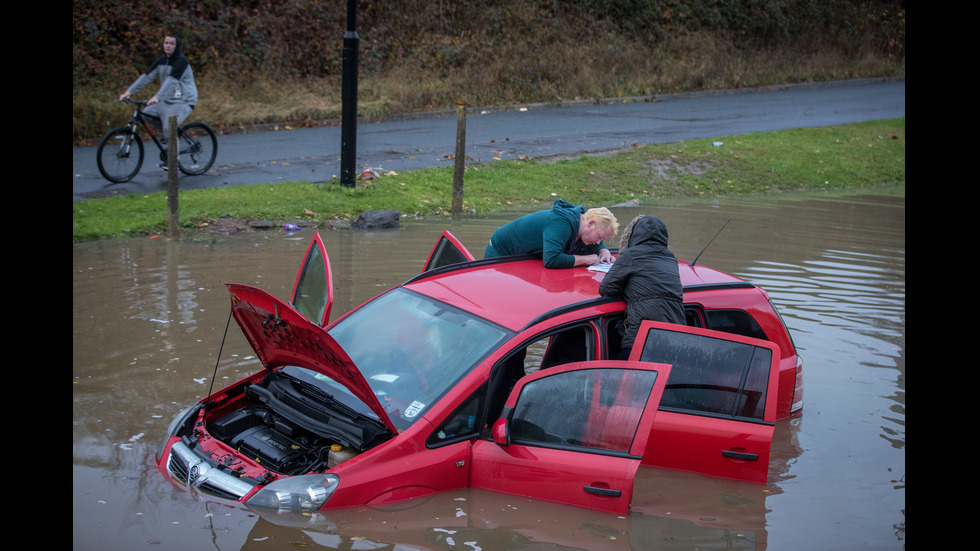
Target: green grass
pixel 837 158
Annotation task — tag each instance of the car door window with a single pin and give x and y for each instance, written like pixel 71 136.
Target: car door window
pixel 716 376
pixel 313 290
pixel 598 409
pixel 448 250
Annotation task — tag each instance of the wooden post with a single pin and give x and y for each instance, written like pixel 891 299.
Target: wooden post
pixel 460 165
pixel 173 212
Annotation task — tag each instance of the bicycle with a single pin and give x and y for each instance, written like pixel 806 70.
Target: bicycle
pixel 120 153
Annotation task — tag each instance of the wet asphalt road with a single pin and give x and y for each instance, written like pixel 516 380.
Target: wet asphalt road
pixel 313 154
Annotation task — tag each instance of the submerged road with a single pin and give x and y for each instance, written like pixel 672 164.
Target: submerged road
pixel 313 154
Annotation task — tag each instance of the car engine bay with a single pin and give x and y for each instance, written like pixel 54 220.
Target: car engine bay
pixel 291 426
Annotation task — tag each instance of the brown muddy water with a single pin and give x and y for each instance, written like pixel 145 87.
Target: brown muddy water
pixel 150 317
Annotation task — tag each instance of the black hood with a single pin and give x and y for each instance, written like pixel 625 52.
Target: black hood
pixel 175 60
pixel 178 50
pixel 648 230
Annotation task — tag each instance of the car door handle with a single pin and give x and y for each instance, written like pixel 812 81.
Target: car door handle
pixel 602 491
pixel 745 456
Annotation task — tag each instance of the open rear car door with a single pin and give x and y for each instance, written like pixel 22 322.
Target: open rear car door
pixel 719 407
pixel 573 433
pixel 448 250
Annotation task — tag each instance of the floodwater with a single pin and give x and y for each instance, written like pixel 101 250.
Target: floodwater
pixel 150 318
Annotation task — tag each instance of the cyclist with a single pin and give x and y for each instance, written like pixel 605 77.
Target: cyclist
pixel 177 94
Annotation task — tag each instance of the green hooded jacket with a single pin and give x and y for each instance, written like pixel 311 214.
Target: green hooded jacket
pixel 550 234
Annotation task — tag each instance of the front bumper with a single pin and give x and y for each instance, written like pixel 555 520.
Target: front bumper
pixel 193 470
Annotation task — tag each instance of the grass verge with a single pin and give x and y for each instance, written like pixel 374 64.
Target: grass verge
pixel 836 158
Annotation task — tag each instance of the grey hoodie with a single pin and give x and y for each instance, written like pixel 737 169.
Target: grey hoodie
pixel 175 76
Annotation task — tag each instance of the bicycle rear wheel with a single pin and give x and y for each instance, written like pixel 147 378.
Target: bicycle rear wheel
pixel 197 148
pixel 120 155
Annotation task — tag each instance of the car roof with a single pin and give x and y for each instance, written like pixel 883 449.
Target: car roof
pixel 517 290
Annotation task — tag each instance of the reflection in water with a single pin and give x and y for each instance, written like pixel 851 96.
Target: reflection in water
pixel 162 294
pixel 479 519
pixel 842 296
pixel 150 316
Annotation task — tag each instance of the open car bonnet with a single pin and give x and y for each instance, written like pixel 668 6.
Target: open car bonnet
pixel 282 336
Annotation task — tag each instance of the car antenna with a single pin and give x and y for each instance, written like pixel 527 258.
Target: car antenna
pixel 691 263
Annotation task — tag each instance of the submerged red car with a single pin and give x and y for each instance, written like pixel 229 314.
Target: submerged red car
pixel 494 373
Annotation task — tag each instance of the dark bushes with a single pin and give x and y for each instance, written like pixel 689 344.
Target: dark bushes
pixel 419 54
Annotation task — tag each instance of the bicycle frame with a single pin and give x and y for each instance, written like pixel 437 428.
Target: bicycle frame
pixel 139 120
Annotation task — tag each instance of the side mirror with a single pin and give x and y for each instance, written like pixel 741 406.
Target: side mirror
pixel 500 435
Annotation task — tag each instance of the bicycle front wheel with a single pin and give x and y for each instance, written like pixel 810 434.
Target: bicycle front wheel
pixel 120 155
pixel 197 148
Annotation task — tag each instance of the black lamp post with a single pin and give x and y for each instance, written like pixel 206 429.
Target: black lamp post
pixel 348 130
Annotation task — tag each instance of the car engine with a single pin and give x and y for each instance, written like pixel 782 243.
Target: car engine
pixel 292 427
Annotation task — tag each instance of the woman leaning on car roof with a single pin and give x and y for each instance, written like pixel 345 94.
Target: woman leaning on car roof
pixel 564 236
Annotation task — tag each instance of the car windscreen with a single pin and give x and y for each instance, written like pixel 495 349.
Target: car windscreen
pixel 412 349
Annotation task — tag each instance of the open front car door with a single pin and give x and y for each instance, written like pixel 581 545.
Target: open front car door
pixel 573 433
pixel 313 290
pixel 448 250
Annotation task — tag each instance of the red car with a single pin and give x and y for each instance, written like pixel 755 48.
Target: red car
pixel 494 373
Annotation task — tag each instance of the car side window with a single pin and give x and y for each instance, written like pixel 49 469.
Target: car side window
pixel 613 329
pixel 444 254
pixel 694 317
pixel 594 410
pixel 462 424
pixel 312 293
pixel 573 344
pixel 738 322
pixel 710 375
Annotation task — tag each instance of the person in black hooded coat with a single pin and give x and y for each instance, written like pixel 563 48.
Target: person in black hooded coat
pixel 646 276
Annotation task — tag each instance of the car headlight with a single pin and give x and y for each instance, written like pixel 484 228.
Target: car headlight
pixel 175 428
pixel 296 493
